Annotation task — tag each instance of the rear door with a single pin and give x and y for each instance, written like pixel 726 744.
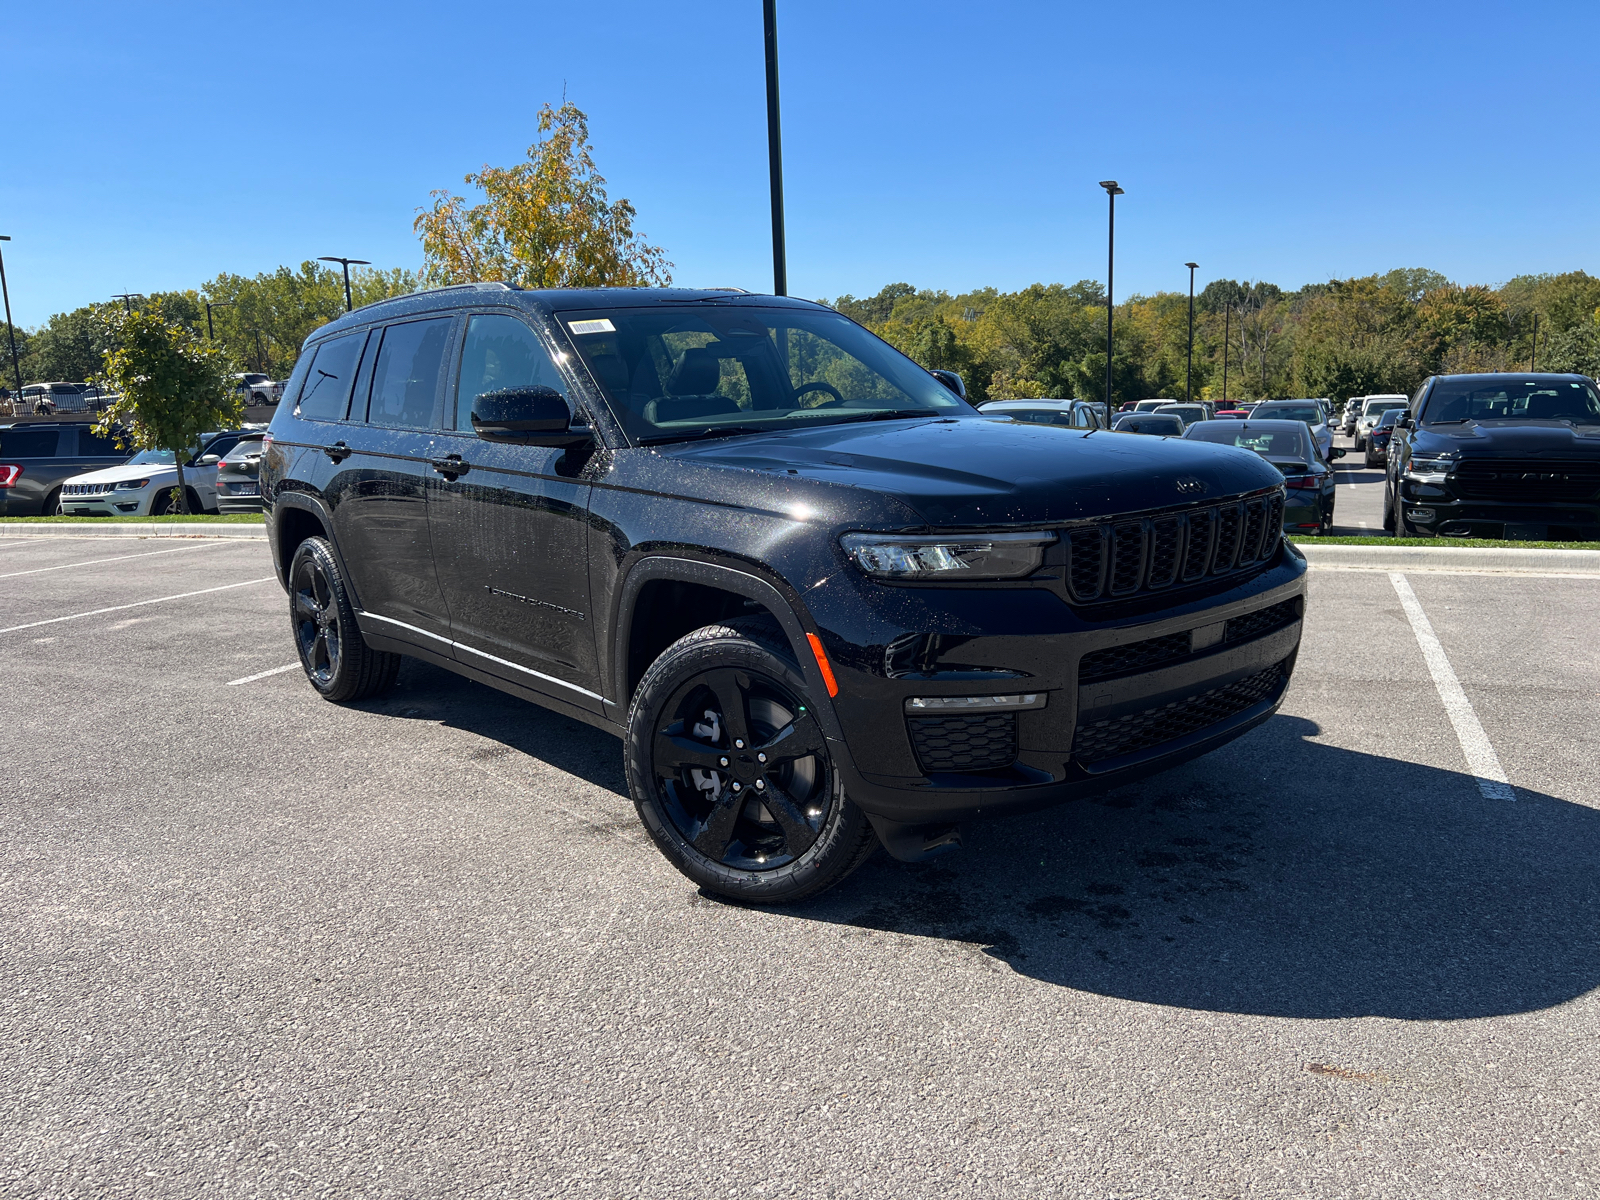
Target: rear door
pixel 379 488
pixel 31 467
pixel 509 528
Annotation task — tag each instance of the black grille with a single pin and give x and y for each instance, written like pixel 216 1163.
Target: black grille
pixel 1531 479
pixel 1135 656
pixel 1101 740
pixel 970 742
pixel 1122 558
pixel 1263 621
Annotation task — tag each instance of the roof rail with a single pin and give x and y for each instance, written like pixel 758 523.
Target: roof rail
pixel 451 287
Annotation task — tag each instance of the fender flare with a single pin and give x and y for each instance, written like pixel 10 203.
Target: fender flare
pixel 743 583
pixel 305 502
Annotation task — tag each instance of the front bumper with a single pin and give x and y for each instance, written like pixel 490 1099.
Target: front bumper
pixel 109 504
pixel 1448 515
pixel 1124 696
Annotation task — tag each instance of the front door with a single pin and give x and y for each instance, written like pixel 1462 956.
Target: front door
pixel 379 490
pixel 509 530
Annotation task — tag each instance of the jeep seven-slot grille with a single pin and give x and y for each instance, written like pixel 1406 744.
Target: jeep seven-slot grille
pixel 1121 558
pixel 1097 741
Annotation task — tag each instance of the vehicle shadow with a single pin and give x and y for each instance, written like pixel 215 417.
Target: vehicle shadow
pixel 1277 876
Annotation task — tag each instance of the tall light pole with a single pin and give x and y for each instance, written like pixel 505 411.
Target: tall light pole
pixel 211 334
pixel 1227 316
pixel 127 299
pixel 11 330
pixel 1188 374
pixel 780 265
pixel 347 263
pixel 1533 355
pixel 1112 192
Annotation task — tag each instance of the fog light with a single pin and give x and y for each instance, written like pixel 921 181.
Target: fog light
pixel 949 704
pixel 1422 515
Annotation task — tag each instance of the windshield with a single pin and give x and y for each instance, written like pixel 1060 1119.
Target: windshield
pixel 1271 443
pixel 709 370
pixel 1309 413
pixel 1498 398
pixel 153 458
pixel 1378 407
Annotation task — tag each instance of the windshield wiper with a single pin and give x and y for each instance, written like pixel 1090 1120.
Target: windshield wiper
pixel 715 431
pixel 892 414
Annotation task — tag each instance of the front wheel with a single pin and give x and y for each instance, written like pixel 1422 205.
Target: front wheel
pixel 336 658
pixel 731 774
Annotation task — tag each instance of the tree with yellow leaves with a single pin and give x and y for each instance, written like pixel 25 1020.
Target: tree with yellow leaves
pixel 544 223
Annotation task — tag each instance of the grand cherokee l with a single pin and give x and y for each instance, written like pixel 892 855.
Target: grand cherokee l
pixel 823 600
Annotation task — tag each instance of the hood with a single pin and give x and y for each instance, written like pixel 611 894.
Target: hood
pixel 980 471
pixel 118 474
pixel 1521 439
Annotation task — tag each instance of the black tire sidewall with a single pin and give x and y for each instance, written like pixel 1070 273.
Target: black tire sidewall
pixel 837 850
pixel 344 683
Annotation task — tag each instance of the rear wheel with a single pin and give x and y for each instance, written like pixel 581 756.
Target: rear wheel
pixel 52 504
pixel 336 658
pixel 730 771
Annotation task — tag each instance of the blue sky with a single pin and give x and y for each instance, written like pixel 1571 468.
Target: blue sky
pixel 950 145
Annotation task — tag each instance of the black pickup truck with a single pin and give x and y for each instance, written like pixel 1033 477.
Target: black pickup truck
pixel 1512 456
pixel 824 601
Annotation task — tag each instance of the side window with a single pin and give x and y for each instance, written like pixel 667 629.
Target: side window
pixel 92 445
pixel 29 443
pixel 327 389
pixel 500 352
pixel 405 383
pixel 220 446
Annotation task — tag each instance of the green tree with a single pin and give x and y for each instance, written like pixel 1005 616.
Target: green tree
pixel 544 223
pixel 70 346
pixel 172 387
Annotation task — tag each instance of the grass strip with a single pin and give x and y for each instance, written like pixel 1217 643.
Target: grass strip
pixel 199 519
pixel 1445 543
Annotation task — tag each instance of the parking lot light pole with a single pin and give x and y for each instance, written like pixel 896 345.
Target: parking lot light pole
pixel 1188 374
pixel 347 264
pixel 11 330
pixel 1227 317
pixel 127 299
pixel 211 334
pixel 780 263
pixel 1112 192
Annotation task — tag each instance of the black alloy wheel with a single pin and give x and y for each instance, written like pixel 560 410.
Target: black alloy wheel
pixel 336 658
pixel 731 773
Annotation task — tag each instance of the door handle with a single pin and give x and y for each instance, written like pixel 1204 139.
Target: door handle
pixel 451 465
pixel 338 451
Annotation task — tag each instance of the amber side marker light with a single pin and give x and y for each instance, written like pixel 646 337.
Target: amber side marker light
pixel 823 664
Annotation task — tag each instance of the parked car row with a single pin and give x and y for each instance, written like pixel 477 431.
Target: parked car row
pixel 68 469
pixel 48 399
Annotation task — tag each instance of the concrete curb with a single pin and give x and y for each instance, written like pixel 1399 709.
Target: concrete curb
pixel 131 529
pixel 1475 561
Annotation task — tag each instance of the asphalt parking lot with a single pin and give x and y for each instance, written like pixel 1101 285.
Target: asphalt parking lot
pixel 254 944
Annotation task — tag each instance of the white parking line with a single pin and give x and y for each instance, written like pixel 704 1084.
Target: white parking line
pixel 294 666
pixel 138 604
pixel 119 558
pixel 1482 761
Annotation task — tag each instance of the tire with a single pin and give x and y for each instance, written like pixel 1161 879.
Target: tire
pixel 335 657
pixel 1388 509
pixel 709 707
pixel 161 503
pixel 52 505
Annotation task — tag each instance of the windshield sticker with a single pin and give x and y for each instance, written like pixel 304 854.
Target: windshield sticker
pixel 599 325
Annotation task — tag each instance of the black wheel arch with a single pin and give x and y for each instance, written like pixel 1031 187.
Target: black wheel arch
pixel 637 628
pixel 296 517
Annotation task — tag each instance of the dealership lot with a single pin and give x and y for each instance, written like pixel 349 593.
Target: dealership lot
pixel 257 944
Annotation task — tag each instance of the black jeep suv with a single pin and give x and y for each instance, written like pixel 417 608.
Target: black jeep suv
pixel 1497 456
pixel 823 600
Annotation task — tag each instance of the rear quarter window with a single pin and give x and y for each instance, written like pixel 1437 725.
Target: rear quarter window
pixel 29 443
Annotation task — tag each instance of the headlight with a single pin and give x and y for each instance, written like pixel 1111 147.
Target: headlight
pixel 943 557
pixel 132 485
pixel 1431 466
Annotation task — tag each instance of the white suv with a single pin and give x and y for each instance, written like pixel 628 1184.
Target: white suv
pixel 1372 410
pixel 143 485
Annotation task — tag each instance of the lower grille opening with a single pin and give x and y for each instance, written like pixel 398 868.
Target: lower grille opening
pixel 1263 621
pixel 1100 740
pixel 1134 656
pixel 969 742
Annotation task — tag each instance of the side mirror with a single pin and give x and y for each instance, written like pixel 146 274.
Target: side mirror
pixel 211 460
pixel 527 416
pixel 952 381
pixel 1338 452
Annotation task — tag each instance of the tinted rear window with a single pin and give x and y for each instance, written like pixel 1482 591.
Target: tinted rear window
pixel 327 388
pixel 92 445
pixel 28 443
